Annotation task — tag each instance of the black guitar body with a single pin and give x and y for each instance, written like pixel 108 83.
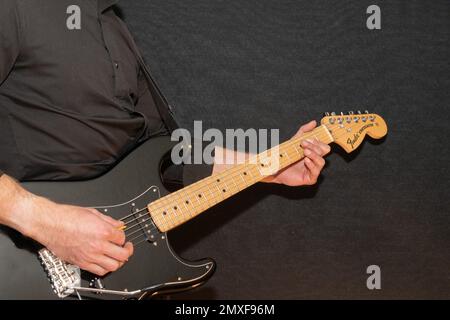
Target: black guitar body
pixel 123 191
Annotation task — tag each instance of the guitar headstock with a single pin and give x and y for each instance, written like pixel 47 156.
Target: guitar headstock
pixel 349 129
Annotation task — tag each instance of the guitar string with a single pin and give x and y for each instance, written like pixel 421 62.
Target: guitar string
pixel 288 143
pixel 144 234
pixel 140 216
pixel 133 214
pixel 231 175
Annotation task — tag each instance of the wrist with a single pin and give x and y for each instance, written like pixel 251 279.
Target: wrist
pixel 22 210
pixel 270 179
pixel 19 212
pixel 27 215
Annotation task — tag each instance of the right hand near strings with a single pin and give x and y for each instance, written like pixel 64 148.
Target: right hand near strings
pixel 80 236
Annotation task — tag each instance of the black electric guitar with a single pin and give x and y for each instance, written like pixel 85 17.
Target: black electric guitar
pixel 132 192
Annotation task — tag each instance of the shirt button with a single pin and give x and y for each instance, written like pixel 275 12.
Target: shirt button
pixel 116 65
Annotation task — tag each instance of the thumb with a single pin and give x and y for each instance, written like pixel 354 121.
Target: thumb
pixel 306 127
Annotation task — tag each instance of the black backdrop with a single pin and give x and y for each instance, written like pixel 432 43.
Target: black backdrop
pixel 277 64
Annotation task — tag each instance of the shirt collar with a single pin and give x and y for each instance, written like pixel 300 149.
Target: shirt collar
pixel 105 4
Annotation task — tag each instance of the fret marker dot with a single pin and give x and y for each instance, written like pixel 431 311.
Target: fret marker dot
pixel 175 207
pixel 187 201
pixel 164 212
pixel 224 190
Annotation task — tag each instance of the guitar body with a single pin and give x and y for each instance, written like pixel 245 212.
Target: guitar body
pixel 125 190
pixel 130 192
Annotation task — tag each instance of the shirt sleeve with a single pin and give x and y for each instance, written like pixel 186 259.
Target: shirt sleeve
pixel 9 37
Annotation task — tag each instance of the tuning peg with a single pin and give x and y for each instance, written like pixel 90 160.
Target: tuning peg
pixel 359 112
pixel 342 113
pixel 333 114
pixel 351 113
pixel 348 119
pixel 327 114
pixel 366 112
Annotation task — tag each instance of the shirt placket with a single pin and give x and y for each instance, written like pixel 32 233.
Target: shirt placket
pixel 120 86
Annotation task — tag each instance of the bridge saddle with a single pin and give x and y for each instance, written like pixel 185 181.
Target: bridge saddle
pixel 63 277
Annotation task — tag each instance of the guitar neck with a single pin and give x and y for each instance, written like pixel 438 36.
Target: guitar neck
pixel 181 206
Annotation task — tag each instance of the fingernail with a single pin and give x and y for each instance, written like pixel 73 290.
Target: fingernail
pixel 307 152
pixel 310 140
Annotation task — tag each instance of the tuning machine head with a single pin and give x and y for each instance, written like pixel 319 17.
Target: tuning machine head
pixel 348 130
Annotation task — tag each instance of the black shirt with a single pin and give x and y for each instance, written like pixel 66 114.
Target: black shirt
pixel 72 101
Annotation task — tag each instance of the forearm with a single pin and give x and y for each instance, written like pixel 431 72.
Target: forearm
pixel 15 205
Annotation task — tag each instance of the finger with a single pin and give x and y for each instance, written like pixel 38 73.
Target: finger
pixel 117 237
pixel 313 146
pixel 325 148
pixel 108 219
pixel 107 263
pixel 307 127
pixel 316 158
pixel 117 252
pixel 129 246
pixel 313 170
pixel 315 163
pixel 96 269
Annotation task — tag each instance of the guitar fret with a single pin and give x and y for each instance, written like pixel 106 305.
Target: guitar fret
pixel 180 213
pixel 213 197
pixel 237 187
pixel 251 173
pixel 164 216
pixel 243 180
pixel 226 189
pixel 198 200
pixel 217 187
pixel 226 183
pixel 187 209
pixel 202 199
pixel 286 153
pixel 210 198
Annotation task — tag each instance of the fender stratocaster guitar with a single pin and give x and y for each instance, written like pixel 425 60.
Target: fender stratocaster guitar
pixel 132 192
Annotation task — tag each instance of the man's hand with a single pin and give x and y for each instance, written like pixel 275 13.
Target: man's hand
pixel 306 171
pixel 81 236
